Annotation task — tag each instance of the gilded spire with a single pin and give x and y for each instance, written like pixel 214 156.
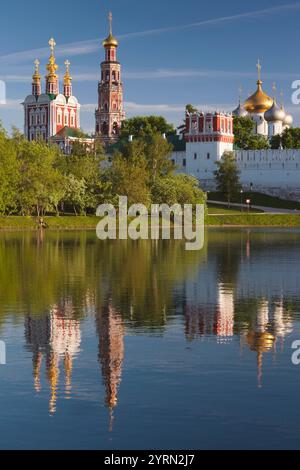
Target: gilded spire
pixel 274 88
pixel 36 76
pixel 281 99
pixel 52 67
pixel 110 41
pixel 67 77
pixel 258 66
pixel 240 93
pixel 110 19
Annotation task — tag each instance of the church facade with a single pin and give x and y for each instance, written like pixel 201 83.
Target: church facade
pixel 48 112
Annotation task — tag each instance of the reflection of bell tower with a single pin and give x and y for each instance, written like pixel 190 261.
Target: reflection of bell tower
pixel 110 114
pixel 111 353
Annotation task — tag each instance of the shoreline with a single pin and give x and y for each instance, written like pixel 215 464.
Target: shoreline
pixel 89 223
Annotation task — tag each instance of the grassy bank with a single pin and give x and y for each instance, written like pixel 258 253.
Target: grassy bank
pixel 54 223
pixel 254 220
pixel 257 199
pixel 90 223
pixel 224 210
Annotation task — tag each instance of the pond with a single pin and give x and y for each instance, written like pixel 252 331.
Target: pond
pixel 143 345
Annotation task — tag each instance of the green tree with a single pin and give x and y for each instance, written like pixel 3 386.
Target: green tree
pixel 244 137
pixel 177 189
pixel 38 177
pixel 9 174
pixel 130 177
pixel 190 108
pixel 85 167
pixel 158 151
pixel 228 176
pixel 142 126
pixel 290 139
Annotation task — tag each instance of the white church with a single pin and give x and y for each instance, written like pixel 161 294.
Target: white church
pixel 209 134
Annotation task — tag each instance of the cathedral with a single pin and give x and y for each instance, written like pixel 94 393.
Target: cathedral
pixel 50 112
pixel 270 119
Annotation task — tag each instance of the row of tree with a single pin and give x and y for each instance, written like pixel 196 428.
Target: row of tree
pixel 37 179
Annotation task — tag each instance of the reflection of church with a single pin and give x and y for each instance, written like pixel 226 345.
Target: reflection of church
pixel 229 297
pixel 111 332
pixel 57 338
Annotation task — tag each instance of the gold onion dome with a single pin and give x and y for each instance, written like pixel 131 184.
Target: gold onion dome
pixel 259 102
pixel 110 41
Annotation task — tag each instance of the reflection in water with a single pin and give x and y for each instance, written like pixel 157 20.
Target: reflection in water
pixel 231 291
pixel 111 331
pixel 56 336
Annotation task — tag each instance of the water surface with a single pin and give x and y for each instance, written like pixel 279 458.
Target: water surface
pixel 142 345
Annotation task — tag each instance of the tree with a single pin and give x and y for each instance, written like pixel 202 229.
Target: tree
pixel 9 174
pixel 190 109
pixel 177 189
pixel 158 151
pixel 142 126
pixel 38 177
pixel 130 177
pixel 244 137
pixel 85 167
pixel 290 139
pixel 228 176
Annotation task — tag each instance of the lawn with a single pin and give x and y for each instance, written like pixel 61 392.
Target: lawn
pixel 254 220
pixel 258 199
pixel 220 217
pixel 214 209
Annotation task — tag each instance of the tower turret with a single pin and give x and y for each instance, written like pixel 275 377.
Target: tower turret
pixel 110 114
pixel 52 87
pixel 67 81
pixel 36 80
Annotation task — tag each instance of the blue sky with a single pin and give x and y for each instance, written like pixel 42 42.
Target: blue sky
pixel 173 52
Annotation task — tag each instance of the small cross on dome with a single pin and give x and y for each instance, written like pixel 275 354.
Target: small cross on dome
pixel 52 44
pixel 258 66
pixel 110 19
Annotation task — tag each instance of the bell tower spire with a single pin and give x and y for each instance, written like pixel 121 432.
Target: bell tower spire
pixel 36 80
pixel 67 81
pixel 110 114
pixel 52 67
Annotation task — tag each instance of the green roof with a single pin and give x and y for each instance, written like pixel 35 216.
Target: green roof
pixel 70 132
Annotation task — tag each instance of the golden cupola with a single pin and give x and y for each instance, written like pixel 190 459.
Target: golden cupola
pixel 36 76
pixel 67 80
pixel 36 79
pixel 259 102
pixel 110 41
pixel 52 67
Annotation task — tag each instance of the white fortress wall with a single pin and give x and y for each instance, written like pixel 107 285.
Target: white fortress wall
pixel 270 168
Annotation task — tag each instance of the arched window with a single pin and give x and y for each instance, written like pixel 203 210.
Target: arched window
pixel 59 117
pixel 115 128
